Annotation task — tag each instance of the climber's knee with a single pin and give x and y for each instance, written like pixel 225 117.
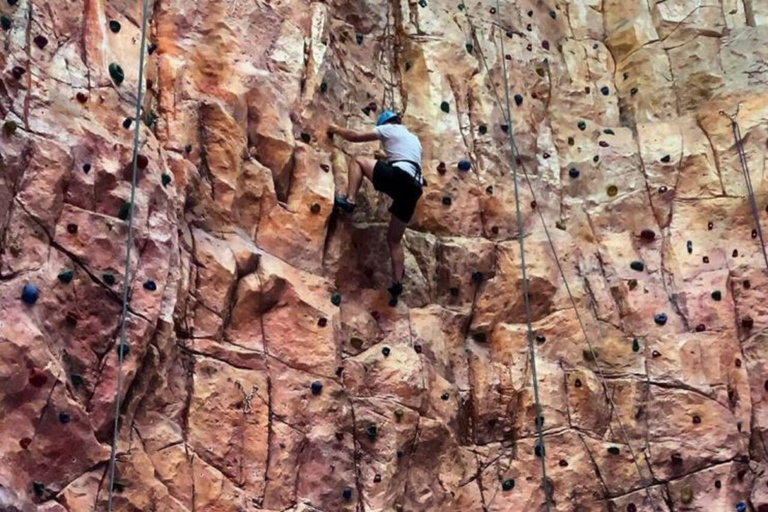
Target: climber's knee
pixel 366 165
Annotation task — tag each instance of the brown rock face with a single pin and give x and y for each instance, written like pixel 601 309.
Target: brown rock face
pixel 264 369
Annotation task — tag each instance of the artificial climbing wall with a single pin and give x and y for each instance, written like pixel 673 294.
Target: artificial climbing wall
pixel 264 369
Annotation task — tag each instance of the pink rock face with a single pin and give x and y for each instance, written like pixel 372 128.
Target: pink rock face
pixel 264 368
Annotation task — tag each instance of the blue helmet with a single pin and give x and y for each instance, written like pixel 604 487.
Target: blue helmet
pixel 384 117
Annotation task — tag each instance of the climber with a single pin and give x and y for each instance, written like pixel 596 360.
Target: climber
pixel 398 176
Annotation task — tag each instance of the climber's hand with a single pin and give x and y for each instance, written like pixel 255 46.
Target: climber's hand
pixel 379 155
pixel 332 130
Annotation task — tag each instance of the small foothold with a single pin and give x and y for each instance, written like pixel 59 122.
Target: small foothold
pixel 510 33
pixel 747 285
pixel 539 451
pixel 464 165
pixel 696 419
pixel 596 158
pixel 504 128
pixel 41 41
pixel 560 225
pixel 165 179
pixel 127 122
pixel 24 442
pixel 648 235
pixel 637 266
pixel 603 144
pixel 705 259
pixel 72 229
pixel 563 463
pixel 123 350
pixel 605 90
pixel 677 459
pixel 533 205
pixel 635 345
pixel 718 484
pixel 614 450
pixel 5 22
pixel 577 383
pixel 188 148
pixel 10 127
pixel 493 10
pixel 305 138
pixel 37 378
pixel 125 211
pixel 454 291
pixel 386 351
pixel 445 396
pixel 29 294
pixel 660 319
pixel 151 48
pixel 608 131
pixel 469 47
pixel 109 279
pixel 546 155
pixel 666 159
pixel 530 14
pixel 18 72
pixel 482 129
pixel 347 493
pixel 582 125
pixel 114 26
pixel 142 161
pixel 686 495
pixel 747 322
pixel 372 432
pixel 754 233
pixel 65 276
pixel 571 141
pixel 489 190
pixel 717 295
pixel 590 354
pixel 529 27
pixel 407 65
pixel 477 276
pixel 315 208
pixel 336 299
pixel 447 201
pixel 612 191
pixel 508 484
pixel 545 45
pixel 323 87
pixel 633 91
pixel 480 337
pixel 655 354
pixel 518 99
pixel 64 417
pixel 573 172
pixel 86 168
pixel 701 328
pixel 117 74
pixel 710 225
pixel 316 387
pixel 359 38
pixel 445 107
pixel 495 230
pixel 150 285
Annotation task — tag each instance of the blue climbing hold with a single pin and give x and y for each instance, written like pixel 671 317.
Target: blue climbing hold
pixel 64 417
pixel 386 351
pixel 741 507
pixel 660 319
pixel 29 294
pixel 573 173
pixel 150 285
pixel 65 276
pixel 689 246
pixel 316 387
pixel 347 493
pixel 464 165
pixel 518 99
pixel 538 450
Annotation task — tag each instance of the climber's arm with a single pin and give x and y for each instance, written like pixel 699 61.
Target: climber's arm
pixel 352 135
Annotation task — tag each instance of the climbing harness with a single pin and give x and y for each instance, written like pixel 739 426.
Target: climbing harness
pixel 526 297
pixel 739 141
pixel 124 347
pixel 514 158
pixel 418 177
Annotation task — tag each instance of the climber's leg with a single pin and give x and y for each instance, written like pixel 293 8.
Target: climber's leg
pixel 359 166
pixel 395 242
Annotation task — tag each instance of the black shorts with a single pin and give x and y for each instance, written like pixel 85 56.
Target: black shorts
pixel 403 188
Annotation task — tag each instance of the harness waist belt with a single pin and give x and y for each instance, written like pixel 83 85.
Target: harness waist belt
pixel 415 165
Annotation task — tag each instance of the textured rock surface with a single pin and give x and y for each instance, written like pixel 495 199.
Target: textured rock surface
pixel 246 388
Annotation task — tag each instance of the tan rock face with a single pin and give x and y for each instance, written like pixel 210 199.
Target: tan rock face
pixel 264 368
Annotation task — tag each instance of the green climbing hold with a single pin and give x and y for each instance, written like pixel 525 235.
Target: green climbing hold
pixel 582 125
pixel 77 380
pixel 635 345
pixel 150 118
pixel 108 278
pixel 608 131
pixel 38 488
pixel 470 47
pixel 508 484
pixel 614 450
pixel 398 415
pixel 123 350
pixel 637 266
pixel 165 179
pixel 461 7
pixel 686 495
pixel 716 295
pixel 423 3
pixel 125 211
pixel 114 26
pixel 116 72
pixel 65 276
pixel 373 432
pixel 323 87
pixel 5 22
pixel 445 107
pixel 482 129
pixel 305 138
pixel 590 354
pixel 666 159
pixel 336 299
pixel 10 127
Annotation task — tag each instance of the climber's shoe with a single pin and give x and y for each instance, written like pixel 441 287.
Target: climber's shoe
pixel 343 203
pixel 396 290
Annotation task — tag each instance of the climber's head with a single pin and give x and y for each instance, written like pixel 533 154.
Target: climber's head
pixel 388 117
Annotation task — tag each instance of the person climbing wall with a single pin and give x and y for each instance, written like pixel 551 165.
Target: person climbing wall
pixel 398 176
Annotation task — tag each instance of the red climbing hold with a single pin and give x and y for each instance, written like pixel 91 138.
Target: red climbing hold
pixel 24 442
pixel 648 235
pixel 37 378
pixel 142 162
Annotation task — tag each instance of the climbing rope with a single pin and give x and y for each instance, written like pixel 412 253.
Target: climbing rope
pixel 514 158
pixel 526 299
pixel 129 245
pixel 739 141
